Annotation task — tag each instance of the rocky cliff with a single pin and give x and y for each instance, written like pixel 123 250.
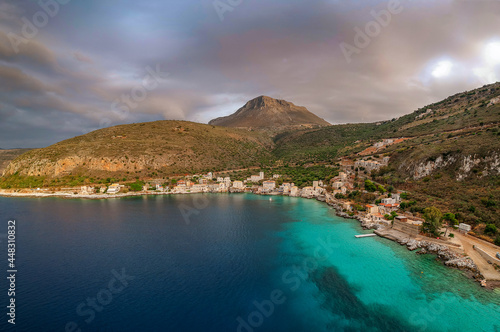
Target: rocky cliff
pixel 267 112
pixel 164 147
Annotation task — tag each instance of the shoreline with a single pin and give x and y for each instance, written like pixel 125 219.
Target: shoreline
pixel 35 194
pixel 447 253
pixel 451 257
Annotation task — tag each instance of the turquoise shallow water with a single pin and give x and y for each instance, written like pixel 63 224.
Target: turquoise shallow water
pixel 372 283
pixel 221 268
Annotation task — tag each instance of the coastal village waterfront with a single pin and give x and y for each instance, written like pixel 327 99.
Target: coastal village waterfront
pixel 476 257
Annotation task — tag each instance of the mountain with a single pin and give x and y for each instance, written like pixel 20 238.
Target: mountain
pixel 7 155
pixel 268 113
pixel 478 110
pixel 448 154
pixel 460 130
pixel 160 148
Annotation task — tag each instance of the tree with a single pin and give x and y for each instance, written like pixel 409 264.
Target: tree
pixel 497 240
pixel 490 229
pixel 391 216
pixel 370 186
pixel 452 221
pixel 433 220
pixel 136 186
pixel 381 189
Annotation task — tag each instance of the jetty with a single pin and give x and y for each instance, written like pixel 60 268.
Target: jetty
pixel 365 235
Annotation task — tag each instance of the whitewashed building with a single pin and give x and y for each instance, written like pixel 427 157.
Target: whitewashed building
pixel 464 227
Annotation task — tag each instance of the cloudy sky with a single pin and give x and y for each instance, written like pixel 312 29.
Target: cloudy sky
pixel 72 66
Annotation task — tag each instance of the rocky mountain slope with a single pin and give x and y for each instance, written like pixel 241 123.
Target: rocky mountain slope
pixel 6 156
pixel 457 137
pixel 142 149
pixel 267 112
pixel 449 158
pixel 479 109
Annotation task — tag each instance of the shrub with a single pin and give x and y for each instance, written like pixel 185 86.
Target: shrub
pixel 497 240
pixel 370 186
pixel 488 202
pixel 381 189
pixel 490 229
pixel 136 186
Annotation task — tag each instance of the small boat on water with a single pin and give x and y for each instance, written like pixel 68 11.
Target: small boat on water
pixel 483 283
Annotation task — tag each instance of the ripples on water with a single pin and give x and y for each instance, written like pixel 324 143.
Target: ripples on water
pixel 203 274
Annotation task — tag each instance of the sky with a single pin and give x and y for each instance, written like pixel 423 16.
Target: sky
pixel 68 67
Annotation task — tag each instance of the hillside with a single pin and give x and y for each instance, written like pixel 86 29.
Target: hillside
pixel 479 108
pixel 457 137
pixel 450 157
pixel 6 156
pixel 266 112
pixel 144 149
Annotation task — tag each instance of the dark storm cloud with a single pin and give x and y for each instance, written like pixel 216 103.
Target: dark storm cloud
pixel 87 64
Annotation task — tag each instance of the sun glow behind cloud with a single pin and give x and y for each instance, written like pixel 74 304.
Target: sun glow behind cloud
pixel 489 69
pixel 442 69
pixel 482 66
pixel 492 53
pixel 94 52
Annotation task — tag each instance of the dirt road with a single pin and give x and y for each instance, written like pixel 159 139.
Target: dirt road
pixel 487 270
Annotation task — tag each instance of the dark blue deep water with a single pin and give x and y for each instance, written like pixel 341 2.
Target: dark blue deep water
pixel 223 263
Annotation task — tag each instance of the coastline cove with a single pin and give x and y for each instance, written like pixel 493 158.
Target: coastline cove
pixel 242 262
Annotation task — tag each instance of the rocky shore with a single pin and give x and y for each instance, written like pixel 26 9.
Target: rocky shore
pixel 445 253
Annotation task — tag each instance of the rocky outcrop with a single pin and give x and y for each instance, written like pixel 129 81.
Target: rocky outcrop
pixel 443 252
pixel 6 156
pixel 267 112
pixel 145 148
pixel 466 164
pixel 424 169
pixel 488 165
pixel 494 101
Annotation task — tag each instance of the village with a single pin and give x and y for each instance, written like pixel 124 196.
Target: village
pixel 350 192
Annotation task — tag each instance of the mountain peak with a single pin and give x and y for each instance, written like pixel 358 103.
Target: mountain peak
pixel 268 112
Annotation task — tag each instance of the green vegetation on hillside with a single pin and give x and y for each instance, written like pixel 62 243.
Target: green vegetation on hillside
pixel 429 164
pixel 155 149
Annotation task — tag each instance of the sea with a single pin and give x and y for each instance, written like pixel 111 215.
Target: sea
pixel 220 262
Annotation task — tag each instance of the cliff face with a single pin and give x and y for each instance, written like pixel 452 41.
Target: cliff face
pixel 163 146
pixel 34 166
pixel 463 165
pixel 267 112
pixel 6 156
